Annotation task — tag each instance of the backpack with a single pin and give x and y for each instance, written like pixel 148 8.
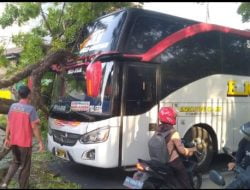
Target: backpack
pixel 157 147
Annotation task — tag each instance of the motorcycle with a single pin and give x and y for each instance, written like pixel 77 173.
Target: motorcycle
pixel 156 175
pixel 241 175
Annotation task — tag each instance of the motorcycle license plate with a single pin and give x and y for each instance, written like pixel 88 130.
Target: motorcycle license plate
pixel 61 153
pixel 132 183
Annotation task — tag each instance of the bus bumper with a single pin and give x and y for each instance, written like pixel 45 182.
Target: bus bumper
pixel 97 155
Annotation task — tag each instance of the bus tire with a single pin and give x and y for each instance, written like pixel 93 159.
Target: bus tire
pixel 205 146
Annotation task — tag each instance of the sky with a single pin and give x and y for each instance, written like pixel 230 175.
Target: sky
pixel 222 13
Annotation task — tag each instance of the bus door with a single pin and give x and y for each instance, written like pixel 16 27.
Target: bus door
pixel 140 109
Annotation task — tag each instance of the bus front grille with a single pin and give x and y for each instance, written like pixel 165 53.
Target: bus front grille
pixel 64 138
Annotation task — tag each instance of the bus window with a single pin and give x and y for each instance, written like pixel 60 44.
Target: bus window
pixel 141 89
pixel 103 35
pixel 235 54
pixel 190 60
pixel 147 31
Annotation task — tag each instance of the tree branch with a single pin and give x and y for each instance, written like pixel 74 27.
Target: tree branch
pixel 5 105
pixel 46 21
pixel 59 57
pixel 61 15
pixel 36 71
pixel 19 76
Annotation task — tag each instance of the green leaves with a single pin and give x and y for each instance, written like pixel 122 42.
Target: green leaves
pixel 28 11
pixel 244 11
pixel 9 16
pixel 62 21
pixel 3 60
pixel 20 13
pixel 32 45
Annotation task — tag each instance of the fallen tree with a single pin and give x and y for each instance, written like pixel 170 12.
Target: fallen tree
pixel 5 104
pixel 36 71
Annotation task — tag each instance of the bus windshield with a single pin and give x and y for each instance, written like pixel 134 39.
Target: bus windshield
pixel 102 34
pixel 70 92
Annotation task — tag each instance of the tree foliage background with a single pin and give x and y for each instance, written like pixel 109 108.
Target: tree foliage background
pixel 63 24
pixel 60 22
pixel 244 11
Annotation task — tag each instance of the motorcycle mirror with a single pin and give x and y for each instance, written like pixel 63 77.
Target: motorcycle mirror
pixel 215 177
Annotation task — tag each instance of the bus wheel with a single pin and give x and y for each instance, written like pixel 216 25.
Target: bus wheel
pixel 205 146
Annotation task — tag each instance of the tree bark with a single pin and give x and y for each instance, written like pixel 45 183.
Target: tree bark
pixel 36 71
pixel 18 76
pixel 5 105
pixel 59 57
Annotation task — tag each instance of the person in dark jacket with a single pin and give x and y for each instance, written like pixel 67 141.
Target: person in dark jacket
pixel 167 117
pixel 243 152
pixel 242 160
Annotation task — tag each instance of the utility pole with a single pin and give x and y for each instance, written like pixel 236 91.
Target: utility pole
pixel 207 12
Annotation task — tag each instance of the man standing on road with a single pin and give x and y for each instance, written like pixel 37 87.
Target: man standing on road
pixel 22 123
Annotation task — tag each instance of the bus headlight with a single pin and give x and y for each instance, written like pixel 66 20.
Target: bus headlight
pixel 96 136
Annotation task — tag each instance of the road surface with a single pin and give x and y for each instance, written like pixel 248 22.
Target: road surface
pixel 97 178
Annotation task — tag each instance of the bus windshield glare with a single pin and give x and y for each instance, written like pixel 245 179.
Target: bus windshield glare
pixel 101 34
pixel 73 96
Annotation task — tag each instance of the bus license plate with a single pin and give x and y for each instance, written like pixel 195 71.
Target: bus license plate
pixel 132 183
pixel 61 153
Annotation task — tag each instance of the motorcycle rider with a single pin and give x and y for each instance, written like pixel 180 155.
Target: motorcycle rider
pixel 167 117
pixel 242 159
pixel 243 152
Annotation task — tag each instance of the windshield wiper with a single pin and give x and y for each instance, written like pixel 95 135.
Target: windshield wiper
pixel 90 118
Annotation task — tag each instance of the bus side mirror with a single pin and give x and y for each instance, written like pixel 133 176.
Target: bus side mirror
pixel 94 78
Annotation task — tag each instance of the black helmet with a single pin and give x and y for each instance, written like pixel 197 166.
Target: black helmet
pixel 245 130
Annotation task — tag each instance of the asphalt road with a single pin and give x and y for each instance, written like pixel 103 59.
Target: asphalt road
pixel 96 178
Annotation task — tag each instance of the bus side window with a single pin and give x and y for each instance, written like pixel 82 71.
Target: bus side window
pixel 141 89
pixel 235 55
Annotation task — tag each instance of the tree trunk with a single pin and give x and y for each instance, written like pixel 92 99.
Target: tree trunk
pixel 5 105
pixel 18 76
pixel 59 57
pixel 36 71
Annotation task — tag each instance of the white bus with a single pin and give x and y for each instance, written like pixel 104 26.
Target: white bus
pixel 136 61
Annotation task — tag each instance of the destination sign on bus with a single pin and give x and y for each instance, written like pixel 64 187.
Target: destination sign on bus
pixel 76 70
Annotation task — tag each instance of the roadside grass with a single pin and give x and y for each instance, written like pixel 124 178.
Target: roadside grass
pixel 3 120
pixel 41 177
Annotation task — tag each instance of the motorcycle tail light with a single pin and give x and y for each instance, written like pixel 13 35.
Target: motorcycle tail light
pixel 140 167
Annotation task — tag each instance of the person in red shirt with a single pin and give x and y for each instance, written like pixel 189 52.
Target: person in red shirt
pixel 22 123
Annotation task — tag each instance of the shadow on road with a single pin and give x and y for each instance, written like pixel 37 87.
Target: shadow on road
pixel 90 177
pixel 98 178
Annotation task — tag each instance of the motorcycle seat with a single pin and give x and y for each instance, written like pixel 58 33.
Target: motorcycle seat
pixel 158 166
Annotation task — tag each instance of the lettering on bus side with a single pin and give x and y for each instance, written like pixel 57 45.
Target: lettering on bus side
pixel 200 109
pixel 233 89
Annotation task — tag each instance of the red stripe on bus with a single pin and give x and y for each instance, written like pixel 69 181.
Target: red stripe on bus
pixel 185 33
